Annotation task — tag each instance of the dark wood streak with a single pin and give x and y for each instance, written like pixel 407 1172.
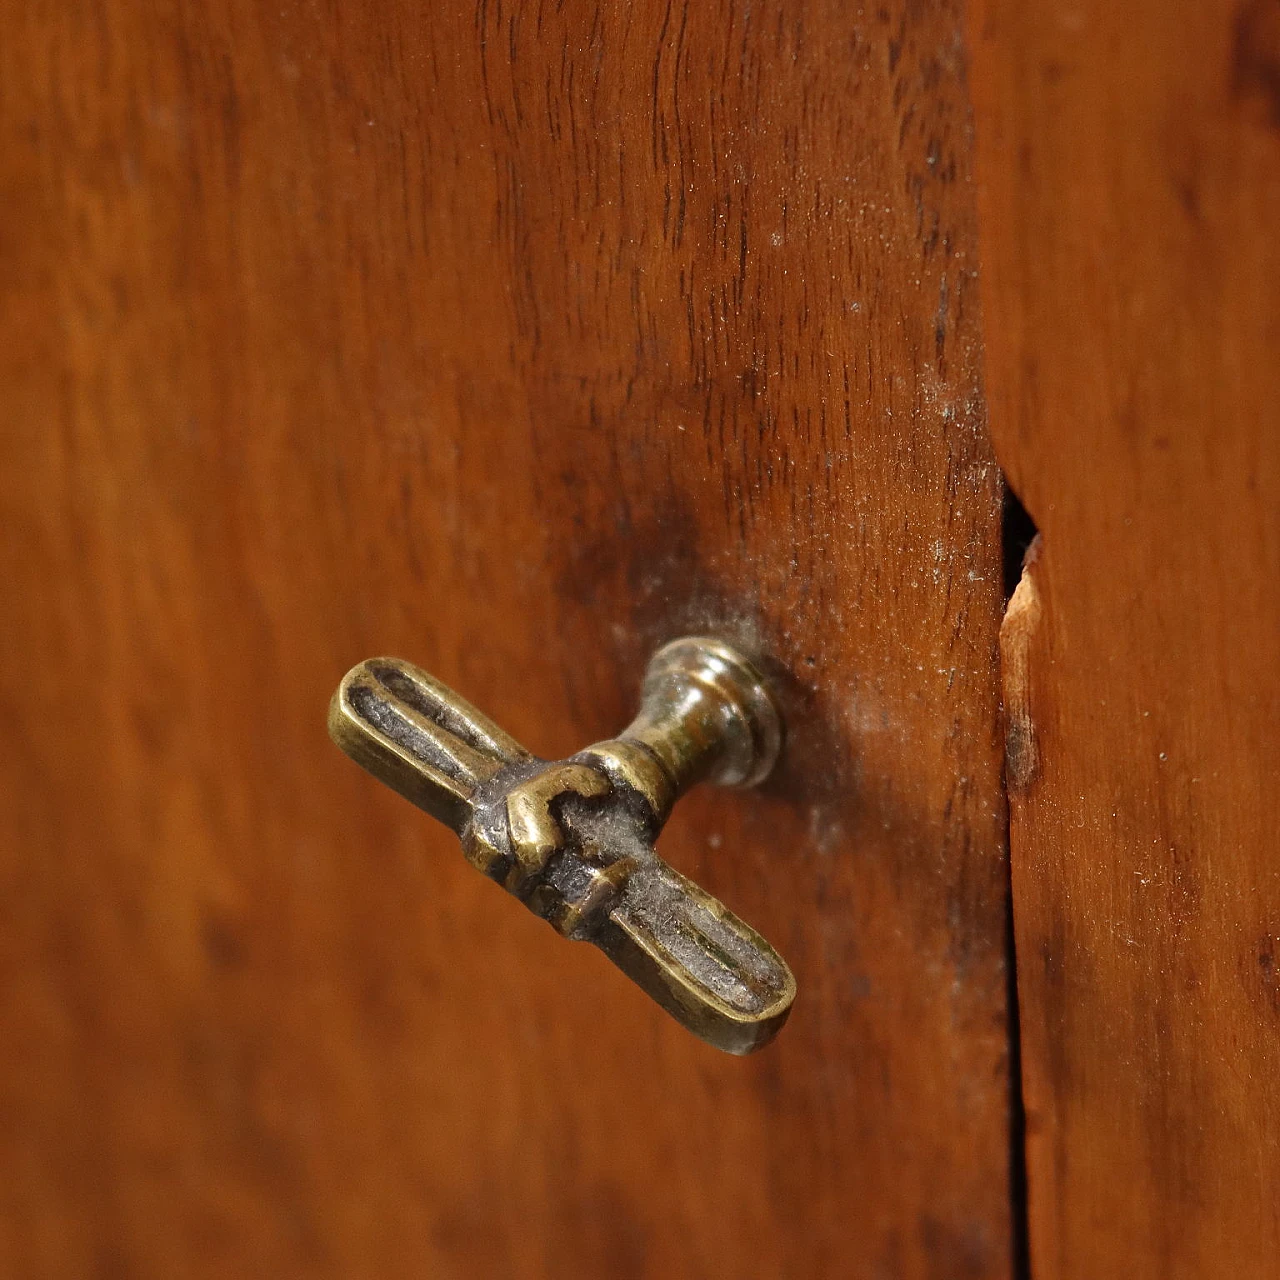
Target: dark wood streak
pixel 515 339
pixel 1255 56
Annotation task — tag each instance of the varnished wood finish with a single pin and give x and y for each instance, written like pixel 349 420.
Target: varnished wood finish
pixel 1130 200
pixel 514 339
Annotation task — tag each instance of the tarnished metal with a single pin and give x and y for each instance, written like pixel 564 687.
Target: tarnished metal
pixel 573 839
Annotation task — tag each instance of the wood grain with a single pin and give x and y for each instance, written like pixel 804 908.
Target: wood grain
pixel 514 340
pixel 1129 167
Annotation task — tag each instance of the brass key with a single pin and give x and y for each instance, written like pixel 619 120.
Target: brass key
pixel 574 839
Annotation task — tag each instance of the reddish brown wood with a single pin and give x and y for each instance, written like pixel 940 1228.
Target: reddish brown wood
pixel 1130 195
pixel 514 339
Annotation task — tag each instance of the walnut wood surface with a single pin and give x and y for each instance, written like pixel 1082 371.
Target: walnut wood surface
pixel 514 339
pixel 1129 164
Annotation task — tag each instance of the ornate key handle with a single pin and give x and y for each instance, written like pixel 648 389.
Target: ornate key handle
pixel 573 839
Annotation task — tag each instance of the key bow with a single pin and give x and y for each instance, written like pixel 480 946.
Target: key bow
pixel 574 839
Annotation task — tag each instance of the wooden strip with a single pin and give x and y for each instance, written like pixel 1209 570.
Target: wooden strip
pixel 1130 195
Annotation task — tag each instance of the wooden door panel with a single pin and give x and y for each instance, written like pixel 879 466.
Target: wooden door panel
pixel 515 340
pixel 1130 193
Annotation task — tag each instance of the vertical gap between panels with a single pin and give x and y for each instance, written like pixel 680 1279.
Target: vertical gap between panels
pixel 1018 532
